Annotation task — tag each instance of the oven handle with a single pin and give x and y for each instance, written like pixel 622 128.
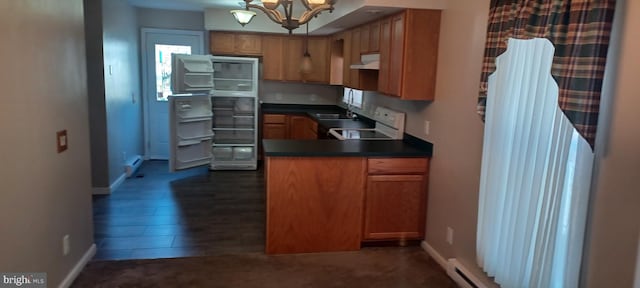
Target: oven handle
pixel 335 134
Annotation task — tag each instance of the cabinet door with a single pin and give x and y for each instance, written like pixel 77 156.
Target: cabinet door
pixel 273 58
pixel 385 50
pixel 311 129
pixel 355 58
pixel 336 61
pixel 319 50
pixel 221 43
pixel 346 50
pixel 365 37
pixel 275 126
pixel 248 44
pixel 395 207
pixel 297 127
pixel 396 58
pixel 374 37
pixel 293 58
pixel 274 131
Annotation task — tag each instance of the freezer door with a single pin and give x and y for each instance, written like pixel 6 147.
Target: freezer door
pixel 235 76
pixel 190 126
pixel 191 74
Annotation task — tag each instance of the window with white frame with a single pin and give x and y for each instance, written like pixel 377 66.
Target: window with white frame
pixel 352 97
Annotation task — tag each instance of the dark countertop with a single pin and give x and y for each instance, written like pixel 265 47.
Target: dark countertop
pixel 409 147
pixel 311 110
pixel 344 148
pixel 299 108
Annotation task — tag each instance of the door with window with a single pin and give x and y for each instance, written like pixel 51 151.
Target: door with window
pixel 158 45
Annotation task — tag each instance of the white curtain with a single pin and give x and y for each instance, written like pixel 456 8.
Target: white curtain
pixel 536 174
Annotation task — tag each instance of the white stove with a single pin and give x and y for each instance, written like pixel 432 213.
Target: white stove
pixel 389 126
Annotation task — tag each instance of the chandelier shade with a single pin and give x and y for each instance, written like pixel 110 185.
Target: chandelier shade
pixel 243 16
pixel 285 17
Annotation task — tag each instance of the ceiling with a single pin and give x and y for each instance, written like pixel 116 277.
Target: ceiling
pixel 194 5
pixel 348 13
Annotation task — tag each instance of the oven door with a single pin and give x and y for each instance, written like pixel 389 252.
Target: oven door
pixel 358 134
pixel 323 133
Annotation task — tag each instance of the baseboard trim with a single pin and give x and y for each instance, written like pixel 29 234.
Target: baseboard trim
pixel 100 191
pixel 111 188
pixel 435 255
pixel 73 274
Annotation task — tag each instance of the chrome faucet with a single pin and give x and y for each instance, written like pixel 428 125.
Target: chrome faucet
pixel 350 113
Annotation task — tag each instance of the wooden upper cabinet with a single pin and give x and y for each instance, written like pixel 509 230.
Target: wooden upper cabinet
pixel 346 69
pixel 337 61
pixel 320 58
pixel 221 43
pixel 273 58
pixel 248 44
pixel 282 57
pixel 370 38
pixel 240 44
pixel 396 55
pixel 365 37
pixel 409 54
pixel 385 57
pixel 374 37
pixel 355 58
pixel 293 52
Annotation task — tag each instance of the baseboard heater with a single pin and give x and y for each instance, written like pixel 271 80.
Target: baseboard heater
pixel 462 276
pixel 132 165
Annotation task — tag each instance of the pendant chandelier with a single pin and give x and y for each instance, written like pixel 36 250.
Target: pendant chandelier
pixel 284 18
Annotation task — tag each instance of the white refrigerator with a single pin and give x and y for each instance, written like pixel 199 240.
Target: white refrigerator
pixel 215 106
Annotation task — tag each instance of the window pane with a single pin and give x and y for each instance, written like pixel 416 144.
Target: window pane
pixel 353 97
pixel 163 68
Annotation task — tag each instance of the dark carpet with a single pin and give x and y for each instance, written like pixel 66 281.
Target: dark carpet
pixel 369 267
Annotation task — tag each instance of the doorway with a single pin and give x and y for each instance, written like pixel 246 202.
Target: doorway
pixel 157 47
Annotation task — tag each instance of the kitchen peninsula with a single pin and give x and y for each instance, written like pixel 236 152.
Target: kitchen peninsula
pixel 332 195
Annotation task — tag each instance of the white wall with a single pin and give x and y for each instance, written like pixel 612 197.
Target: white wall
pixel 612 241
pixel 125 134
pixel 97 105
pixel 45 195
pixel 173 19
pixel 298 93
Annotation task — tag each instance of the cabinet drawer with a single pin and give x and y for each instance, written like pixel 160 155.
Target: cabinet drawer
pixel 397 165
pixel 275 119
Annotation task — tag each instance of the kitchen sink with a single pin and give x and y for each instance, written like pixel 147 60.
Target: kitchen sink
pixel 330 116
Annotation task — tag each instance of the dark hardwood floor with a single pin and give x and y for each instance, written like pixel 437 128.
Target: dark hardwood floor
pixel 157 214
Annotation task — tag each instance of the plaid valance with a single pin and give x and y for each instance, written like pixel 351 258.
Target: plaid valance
pixel 579 30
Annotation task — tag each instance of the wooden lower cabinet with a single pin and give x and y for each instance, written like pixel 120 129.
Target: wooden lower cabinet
pixel 274 131
pixel 280 126
pixel 314 204
pixel 321 204
pixel 395 199
pixel 394 207
pixel 302 128
pixel 275 126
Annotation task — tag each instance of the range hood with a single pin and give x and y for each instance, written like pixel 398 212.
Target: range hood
pixel 368 62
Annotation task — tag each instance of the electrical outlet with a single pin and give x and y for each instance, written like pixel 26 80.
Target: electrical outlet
pixel 66 245
pixel 62 141
pixel 450 235
pixel 426 127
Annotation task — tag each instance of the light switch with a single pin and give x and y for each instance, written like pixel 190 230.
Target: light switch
pixel 62 140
